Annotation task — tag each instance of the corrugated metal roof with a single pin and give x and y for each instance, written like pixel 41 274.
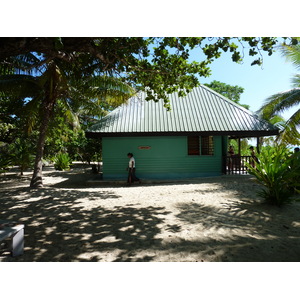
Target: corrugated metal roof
pixel 202 111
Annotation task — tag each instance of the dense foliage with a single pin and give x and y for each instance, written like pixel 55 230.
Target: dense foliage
pixel 229 91
pixel 53 90
pixel 160 64
pixel 279 172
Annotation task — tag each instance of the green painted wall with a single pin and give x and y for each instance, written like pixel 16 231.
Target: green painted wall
pixel 167 158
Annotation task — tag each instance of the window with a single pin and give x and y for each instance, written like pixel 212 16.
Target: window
pixel 200 145
pixel 207 145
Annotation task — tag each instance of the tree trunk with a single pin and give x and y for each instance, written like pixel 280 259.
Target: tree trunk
pixel 37 177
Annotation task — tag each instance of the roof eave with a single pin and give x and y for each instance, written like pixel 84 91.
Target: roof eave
pixel 244 134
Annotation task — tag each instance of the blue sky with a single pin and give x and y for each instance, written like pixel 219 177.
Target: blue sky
pixel 259 82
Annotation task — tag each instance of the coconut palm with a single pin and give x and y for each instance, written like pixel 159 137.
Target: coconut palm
pixel 283 101
pixel 42 82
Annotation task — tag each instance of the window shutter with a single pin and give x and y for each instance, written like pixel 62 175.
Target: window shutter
pixel 193 145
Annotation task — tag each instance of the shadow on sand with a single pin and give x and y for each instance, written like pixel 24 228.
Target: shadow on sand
pixel 60 228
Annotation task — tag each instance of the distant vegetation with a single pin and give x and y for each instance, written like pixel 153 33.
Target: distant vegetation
pixel 232 92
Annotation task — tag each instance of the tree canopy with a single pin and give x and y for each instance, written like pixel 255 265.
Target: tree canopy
pixel 159 65
pixel 232 92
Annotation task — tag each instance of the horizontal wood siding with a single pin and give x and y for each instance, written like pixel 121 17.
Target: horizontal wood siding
pixel 167 157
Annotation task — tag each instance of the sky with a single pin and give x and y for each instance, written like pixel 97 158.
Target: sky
pixel 259 82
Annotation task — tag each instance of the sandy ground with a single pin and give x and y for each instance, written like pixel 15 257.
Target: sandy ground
pixel 75 218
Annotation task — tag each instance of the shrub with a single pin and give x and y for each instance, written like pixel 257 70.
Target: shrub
pixel 62 162
pixel 22 156
pixel 277 172
pixel 5 163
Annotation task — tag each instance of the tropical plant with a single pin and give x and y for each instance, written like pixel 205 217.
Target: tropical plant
pixel 62 161
pixel 42 83
pixel 283 101
pixel 278 174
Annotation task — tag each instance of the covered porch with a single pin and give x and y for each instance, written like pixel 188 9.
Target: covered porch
pixel 237 163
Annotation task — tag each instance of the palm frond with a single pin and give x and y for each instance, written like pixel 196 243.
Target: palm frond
pixel 110 89
pixel 277 120
pixel 288 137
pixel 280 102
pixel 289 133
pixel 292 54
pixel 31 113
pixel 28 63
pixel 296 80
pixel 294 120
pixel 20 86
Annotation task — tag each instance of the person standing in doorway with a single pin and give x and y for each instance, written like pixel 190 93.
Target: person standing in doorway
pixel 231 150
pixel 231 155
pixel 131 170
pixel 253 159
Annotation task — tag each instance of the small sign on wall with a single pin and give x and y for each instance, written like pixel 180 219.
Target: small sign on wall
pixel 144 147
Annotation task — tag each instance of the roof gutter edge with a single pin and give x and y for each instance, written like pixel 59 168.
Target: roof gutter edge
pixel 257 133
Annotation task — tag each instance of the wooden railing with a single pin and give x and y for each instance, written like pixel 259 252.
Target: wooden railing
pixel 235 164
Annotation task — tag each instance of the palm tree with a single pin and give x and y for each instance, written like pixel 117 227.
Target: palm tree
pixel 41 82
pixel 283 101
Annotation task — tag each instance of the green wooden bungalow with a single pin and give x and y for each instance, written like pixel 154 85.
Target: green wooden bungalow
pixel 188 141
